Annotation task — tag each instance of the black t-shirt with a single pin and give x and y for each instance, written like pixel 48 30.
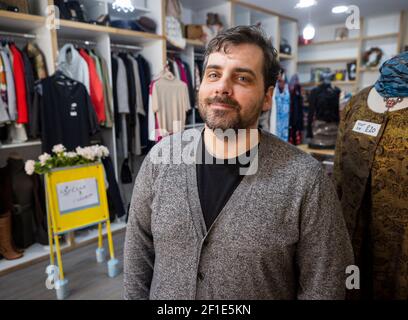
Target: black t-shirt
pixel 67 114
pixel 217 181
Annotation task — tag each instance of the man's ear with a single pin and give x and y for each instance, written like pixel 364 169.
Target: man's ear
pixel 268 99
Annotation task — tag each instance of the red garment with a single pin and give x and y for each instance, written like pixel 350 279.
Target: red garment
pixel 182 71
pixel 20 85
pixel 96 87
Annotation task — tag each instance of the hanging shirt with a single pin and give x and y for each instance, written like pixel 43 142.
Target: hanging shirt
pixel 67 114
pixel 282 113
pixel 176 70
pixel 3 82
pixel 324 104
pixel 107 91
pixel 145 79
pixel 121 89
pixel 131 87
pixel 153 134
pixel 4 116
pixel 20 85
pixel 73 65
pixel 170 101
pixel 95 86
pixel 11 93
pixel 137 146
pixel 272 121
pixel 190 84
pixel 37 60
pixel 182 71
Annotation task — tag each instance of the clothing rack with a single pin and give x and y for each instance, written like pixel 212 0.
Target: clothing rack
pixel 17 35
pixel 79 42
pixel 125 46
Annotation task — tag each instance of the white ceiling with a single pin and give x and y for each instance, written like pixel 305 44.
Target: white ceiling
pixel 321 13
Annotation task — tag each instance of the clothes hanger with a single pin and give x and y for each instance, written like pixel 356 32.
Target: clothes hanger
pixel 166 73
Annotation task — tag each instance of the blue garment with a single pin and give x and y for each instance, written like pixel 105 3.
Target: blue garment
pixel 393 81
pixel 282 113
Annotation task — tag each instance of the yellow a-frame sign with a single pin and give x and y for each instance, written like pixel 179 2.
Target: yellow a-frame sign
pixel 76 198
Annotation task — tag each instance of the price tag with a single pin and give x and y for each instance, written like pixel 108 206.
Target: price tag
pixel 368 128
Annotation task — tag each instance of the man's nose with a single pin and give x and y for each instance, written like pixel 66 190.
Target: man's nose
pixel 223 87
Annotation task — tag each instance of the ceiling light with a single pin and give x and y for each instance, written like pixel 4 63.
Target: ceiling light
pixel 340 9
pixel 309 32
pixel 305 4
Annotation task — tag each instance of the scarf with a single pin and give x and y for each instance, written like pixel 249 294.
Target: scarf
pixel 393 80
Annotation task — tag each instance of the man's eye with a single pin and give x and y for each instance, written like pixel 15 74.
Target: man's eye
pixel 212 75
pixel 242 78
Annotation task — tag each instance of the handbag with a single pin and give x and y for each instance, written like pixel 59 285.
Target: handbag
pixel 147 24
pixel 285 47
pixel 70 10
pixel 15 5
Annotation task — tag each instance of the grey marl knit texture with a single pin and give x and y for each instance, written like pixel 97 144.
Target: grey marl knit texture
pixel 281 235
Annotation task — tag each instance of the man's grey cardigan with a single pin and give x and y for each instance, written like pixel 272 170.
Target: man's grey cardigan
pixel 281 235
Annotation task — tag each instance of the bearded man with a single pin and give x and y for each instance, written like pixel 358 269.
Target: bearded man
pixel 248 216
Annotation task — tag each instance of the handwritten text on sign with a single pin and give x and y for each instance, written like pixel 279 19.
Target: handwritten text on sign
pixel 77 195
pixel 368 128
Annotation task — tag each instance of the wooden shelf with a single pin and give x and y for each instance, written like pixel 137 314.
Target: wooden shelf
pixel 328 42
pixel 372 69
pixel 305 148
pixel 336 83
pixel 20 22
pixel 284 56
pixel 323 61
pixel 20 145
pixel 381 36
pixel 131 36
pixel 85 31
pixel 196 43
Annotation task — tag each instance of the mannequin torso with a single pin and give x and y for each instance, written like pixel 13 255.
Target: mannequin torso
pixel 376 103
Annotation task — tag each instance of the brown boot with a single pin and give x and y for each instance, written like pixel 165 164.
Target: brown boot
pixel 6 243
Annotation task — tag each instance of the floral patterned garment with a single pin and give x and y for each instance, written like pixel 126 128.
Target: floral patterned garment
pixel 372 181
pixel 282 113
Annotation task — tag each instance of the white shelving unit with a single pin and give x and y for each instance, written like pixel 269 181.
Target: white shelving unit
pixel 387 38
pixel 152 46
pixel 288 29
pixel 326 51
pixel 276 26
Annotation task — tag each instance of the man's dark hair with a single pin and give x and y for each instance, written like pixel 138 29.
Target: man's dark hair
pixel 248 35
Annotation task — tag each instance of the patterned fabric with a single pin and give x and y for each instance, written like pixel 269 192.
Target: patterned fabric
pixel 282 113
pixel 37 60
pixel 371 176
pixel 3 81
pixel 393 81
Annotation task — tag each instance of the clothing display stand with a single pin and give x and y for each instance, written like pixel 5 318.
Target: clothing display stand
pixel 36 27
pixel 105 39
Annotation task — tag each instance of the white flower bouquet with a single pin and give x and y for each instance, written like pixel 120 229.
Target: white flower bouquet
pixel 61 158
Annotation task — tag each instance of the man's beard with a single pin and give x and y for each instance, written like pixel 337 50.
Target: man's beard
pixel 227 119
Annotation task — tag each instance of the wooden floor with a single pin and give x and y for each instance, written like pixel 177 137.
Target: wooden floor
pixel 88 280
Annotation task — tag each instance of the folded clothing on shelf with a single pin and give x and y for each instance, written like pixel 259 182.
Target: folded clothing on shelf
pixel 143 24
